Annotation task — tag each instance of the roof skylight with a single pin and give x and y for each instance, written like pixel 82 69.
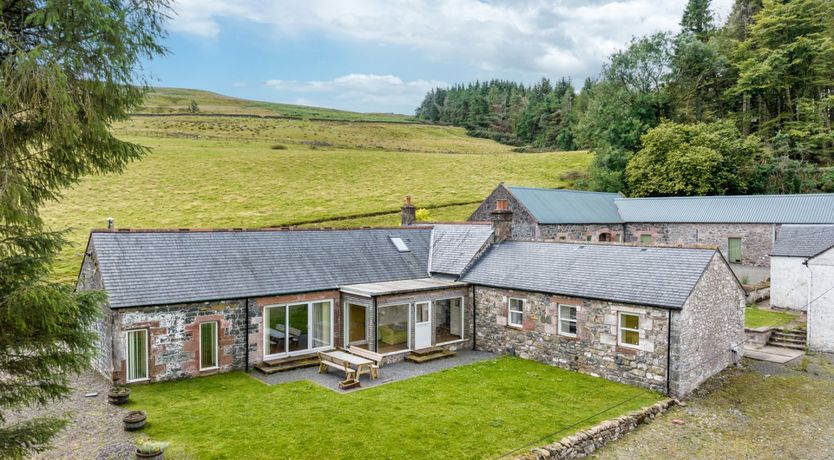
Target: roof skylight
pixel 400 244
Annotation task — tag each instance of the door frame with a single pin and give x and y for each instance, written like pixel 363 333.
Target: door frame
pixel 346 309
pixel 427 323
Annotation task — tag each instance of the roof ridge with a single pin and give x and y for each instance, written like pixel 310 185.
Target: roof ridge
pixel 590 192
pixel 254 229
pixel 785 195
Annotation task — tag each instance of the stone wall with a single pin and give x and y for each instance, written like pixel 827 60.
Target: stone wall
pixel 756 239
pixel 573 232
pixel 524 225
pixel 588 441
pixel 593 351
pixel 174 336
pixel 707 329
pixel 89 279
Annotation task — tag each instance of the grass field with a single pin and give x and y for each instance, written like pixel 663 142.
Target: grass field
pixel 229 172
pixel 758 317
pixel 178 100
pixel 476 411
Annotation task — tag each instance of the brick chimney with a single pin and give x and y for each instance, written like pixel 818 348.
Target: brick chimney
pixel 409 213
pixel 502 221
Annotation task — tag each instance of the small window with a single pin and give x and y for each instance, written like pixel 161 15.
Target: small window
pixel 567 320
pixel 400 245
pixel 421 311
pixel 645 239
pixel 629 330
pixel 734 250
pixel 137 355
pixel 208 345
pixel 516 312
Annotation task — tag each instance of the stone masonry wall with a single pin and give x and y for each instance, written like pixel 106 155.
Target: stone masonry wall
pixel 524 225
pixel 174 336
pixel 575 232
pixel 89 279
pixel 756 239
pixel 593 351
pixel 706 330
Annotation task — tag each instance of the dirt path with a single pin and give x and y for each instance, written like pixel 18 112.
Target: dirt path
pixel 95 429
pixel 761 410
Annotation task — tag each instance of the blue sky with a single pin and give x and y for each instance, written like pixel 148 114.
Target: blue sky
pixel 382 56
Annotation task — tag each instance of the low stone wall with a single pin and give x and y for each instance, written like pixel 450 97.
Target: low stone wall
pixel 758 294
pixel 758 337
pixel 586 442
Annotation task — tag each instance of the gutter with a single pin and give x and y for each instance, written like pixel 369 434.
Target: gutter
pixel 474 320
pixel 246 351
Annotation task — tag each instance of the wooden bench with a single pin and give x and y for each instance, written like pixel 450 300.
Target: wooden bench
pixel 370 355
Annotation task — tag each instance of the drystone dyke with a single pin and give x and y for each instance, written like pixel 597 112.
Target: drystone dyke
pixel 588 441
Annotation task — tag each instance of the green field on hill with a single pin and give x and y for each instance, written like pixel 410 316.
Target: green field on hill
pixel 178 100
pixel 236 172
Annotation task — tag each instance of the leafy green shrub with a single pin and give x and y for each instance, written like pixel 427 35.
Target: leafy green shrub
pixel 423 215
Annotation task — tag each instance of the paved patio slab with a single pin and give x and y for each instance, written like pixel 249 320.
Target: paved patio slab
pixel 772 354
pixel 387 373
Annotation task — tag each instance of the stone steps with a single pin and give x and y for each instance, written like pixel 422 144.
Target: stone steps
pixel 287 364
pixel 425 355
pixel 794 339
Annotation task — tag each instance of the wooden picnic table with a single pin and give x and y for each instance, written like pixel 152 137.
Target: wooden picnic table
pixel 352 365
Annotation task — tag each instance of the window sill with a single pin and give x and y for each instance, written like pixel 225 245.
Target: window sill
pixel 515 326
pixel 146 379
pixel 568 336
pixel 207 369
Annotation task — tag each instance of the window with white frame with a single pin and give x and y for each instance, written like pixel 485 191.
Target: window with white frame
pixel 516 312
pixel 567 320
pixel 137 355
pixel 208 345
pixel 629 330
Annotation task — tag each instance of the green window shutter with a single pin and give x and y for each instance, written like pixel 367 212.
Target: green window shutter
pixel 734 250
pixel 645 239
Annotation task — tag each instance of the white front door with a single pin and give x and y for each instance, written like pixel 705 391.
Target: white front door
pixel 422 325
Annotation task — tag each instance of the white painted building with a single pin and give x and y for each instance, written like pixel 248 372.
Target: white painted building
pixel 802 278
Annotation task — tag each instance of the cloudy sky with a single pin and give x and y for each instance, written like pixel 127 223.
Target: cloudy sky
pixel 382 56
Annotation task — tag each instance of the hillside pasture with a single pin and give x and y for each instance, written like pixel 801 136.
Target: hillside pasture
pixel 230 174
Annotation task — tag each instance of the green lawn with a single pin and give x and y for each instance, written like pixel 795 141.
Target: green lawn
pixel 224 172
pixel 758 317
pixel 474 411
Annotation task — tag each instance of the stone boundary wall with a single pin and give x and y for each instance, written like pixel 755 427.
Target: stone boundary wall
pixel 586 442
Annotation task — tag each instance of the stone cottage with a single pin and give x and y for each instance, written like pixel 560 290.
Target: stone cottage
pixel 802 278
pixel 742 227
pixel 186 303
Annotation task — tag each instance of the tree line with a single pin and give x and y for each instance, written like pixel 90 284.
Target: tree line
pixel 742 107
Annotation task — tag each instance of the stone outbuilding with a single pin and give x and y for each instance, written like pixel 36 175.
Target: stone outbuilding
pixel 802 278
pixel 662 318
pixel 744 228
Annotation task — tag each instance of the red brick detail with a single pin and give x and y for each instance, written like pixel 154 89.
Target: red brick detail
pixel 528 324
pixel 627 350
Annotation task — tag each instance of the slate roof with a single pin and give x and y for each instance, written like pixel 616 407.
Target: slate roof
pixel 767 209
pixel 553 206
pixel 662 277
pixel 158 268
pixel 454 245
pixel 803 240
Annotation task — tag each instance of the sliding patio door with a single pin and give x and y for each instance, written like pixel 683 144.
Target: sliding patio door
pixel 297 328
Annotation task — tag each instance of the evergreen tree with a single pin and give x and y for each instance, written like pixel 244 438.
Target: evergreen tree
pixel 68 70
pixel 697 18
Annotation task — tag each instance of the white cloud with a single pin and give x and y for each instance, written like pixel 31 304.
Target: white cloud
pixel 356 91
pixel 567 37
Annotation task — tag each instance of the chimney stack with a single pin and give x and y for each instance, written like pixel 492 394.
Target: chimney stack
pixel 502 221
pixel 409 213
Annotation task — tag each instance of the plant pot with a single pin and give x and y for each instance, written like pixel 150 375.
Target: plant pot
pixel 118 395
pixel 134 420
pixel 155 456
